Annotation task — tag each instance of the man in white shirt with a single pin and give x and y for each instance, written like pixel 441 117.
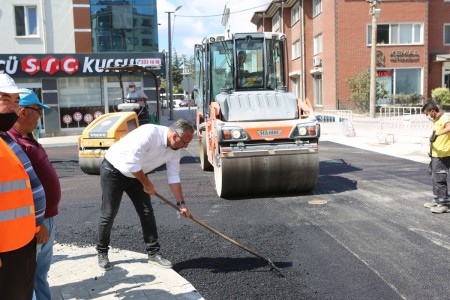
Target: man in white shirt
pixel 136 95
pixel 124 170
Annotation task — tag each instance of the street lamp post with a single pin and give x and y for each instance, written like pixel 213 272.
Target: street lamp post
pixel 375 12
pixel 169 79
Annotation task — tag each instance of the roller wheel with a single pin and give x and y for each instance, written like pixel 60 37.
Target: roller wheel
pixel 89 165
pixel 204 162
pixel 283 174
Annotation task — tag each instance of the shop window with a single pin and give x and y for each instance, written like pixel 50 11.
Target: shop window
pixel 396 34
pixel 408 81
pixel 318 90
pixel 80 101
pixel 400 82
pixel 447 34
pixel 26 20
pixel 295 14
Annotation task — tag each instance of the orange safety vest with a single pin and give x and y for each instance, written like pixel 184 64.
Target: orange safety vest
pixel 17 217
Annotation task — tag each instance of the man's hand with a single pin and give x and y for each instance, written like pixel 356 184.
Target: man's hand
pixel 433 137
pixel 42 235
pixel 184 211
pixel 150 189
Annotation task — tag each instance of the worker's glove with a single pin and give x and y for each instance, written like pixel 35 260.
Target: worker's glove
pixel 433 138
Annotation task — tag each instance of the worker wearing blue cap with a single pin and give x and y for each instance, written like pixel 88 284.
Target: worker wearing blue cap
pixel 29 114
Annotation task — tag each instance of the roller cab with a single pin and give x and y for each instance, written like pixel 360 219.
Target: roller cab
pixel 101 134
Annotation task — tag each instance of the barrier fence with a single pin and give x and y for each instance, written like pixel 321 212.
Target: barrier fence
pixel 391 123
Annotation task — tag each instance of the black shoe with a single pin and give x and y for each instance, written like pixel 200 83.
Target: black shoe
pixel 159 261
pixel 103 261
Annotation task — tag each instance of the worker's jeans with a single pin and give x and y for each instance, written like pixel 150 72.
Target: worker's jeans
pixel 44 260
pixel 440 166
pixel 113 185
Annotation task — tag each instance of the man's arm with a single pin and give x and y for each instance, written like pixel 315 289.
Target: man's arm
pixel 177 192
pixel 146 183
pixel 445 130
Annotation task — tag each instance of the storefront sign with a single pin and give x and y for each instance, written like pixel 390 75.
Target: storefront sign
pixel 59 65
pixel 385 73
pixel 404 55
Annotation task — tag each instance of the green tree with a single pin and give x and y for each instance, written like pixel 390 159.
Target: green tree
pixel 360 87
pixel 177 73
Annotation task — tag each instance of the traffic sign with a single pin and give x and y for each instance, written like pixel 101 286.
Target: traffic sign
pixel 188 84
pixel 77 116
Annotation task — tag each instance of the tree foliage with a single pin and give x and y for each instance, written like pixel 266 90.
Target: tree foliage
pixel 360 87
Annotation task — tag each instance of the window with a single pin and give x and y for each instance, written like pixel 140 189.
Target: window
pixel 446 34
pixel 124 26
pixel 400 81
pixel 26 20
pixel 396 34
pixel 296 50
pixel 317 7
pixel 318 90
pixel 276 23
pixel 295 13
pixel 318 48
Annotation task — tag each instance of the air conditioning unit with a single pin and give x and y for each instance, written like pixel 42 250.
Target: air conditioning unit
pixel 317 62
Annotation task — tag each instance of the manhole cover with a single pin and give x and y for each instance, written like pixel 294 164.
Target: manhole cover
pixel 318 202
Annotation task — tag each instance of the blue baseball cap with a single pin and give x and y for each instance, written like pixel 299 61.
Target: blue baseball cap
pixel 30 98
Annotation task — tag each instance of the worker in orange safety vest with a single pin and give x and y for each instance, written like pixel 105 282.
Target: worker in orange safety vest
pixel 18 218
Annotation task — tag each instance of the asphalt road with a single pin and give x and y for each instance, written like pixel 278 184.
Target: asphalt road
pixel 372 239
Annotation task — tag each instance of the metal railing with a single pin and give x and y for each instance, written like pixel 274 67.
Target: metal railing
pixel 396 111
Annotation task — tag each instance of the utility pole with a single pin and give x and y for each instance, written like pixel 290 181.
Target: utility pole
pixel 169 77
pixel 375 13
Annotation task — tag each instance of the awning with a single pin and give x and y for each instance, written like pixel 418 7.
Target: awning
pixel 442 57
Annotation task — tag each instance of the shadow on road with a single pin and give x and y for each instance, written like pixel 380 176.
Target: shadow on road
pixel 227 264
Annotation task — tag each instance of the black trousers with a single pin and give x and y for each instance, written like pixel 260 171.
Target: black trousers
pixel 440 166
pixel 113 184
pixel 17 272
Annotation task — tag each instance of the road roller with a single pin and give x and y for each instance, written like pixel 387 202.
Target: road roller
pixel 256 137
pixel 101 134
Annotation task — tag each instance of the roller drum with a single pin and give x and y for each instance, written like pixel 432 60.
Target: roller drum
pixel 266 174
pixel 90 161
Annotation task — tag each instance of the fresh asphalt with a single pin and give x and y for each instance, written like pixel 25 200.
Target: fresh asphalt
pixel 369 238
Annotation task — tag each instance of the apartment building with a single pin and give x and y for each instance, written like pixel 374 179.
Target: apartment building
pixel 60 49
pixel 330 42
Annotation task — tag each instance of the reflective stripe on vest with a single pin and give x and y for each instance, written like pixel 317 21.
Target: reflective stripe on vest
pixel 14 185
pixel 8 215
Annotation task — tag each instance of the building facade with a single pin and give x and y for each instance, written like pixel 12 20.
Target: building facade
pixel 329 42
pixel 62 49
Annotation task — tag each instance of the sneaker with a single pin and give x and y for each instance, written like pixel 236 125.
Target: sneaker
pixel 441 208
pixel 159 261
pixel 430 204
pixel 103 261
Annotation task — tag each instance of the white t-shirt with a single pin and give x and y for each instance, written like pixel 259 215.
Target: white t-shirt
pixel 137 94
pixel 145 148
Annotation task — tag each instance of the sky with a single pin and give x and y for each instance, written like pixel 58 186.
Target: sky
pixel 190 26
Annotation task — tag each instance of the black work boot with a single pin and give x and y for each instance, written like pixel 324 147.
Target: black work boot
pixel 158 260
pixel 103 261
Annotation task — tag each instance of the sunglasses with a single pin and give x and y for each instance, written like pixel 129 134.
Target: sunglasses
pixel 39 110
